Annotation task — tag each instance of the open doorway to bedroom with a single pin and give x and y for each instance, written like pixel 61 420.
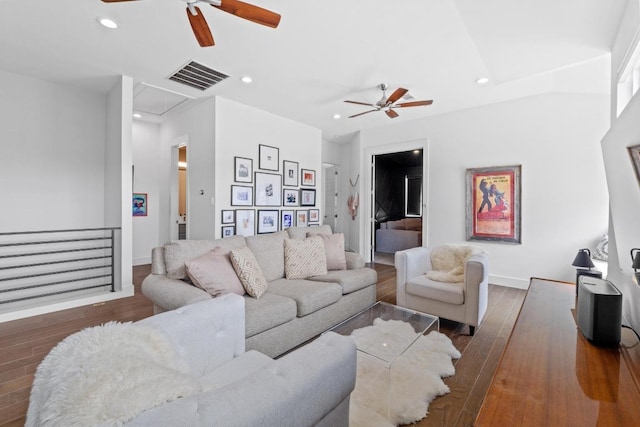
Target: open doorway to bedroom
pixel 397 202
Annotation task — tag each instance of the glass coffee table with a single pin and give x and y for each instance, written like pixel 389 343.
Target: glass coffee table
pixel 387 349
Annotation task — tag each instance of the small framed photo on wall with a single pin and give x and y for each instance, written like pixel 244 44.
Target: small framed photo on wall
pixel 245 222
pixel 290 173
pixel 267 221
pixel 308 177
pixel 290 197
pixel 268 189
pixel 228 216
pixel 302 218
pixel 139 204
pixel 286 219
pixel 241 195
pixel 243 169
pixel 228 231
pixel 307 197
pixel 314 215
pixel 269 157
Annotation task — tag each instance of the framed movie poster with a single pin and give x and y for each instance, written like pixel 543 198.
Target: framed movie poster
pixel 290 173
pixel 493 204
pixel 139 204
pixel 268 189
pixel 243 169
pixel 269 157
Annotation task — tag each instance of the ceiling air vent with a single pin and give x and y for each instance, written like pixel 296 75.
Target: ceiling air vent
pixel 198 76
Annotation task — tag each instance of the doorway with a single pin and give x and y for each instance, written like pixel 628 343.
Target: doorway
pixel 330 202
pixel 179 199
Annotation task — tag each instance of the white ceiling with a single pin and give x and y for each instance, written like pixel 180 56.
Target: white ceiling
pixel 322 53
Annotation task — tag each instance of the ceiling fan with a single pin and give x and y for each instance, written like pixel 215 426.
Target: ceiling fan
pixel 388 104
pixel 238 8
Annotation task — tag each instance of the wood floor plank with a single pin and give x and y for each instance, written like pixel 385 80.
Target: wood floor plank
pixel 25 342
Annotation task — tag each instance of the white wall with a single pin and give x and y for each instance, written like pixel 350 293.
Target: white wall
pixel 239 131
pixel 564 196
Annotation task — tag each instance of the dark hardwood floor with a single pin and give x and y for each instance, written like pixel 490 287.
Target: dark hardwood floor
pixel 25 342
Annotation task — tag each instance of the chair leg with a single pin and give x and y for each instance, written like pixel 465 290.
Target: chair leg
pixel 472 330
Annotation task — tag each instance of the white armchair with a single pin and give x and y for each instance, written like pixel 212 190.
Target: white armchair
pixel 464 302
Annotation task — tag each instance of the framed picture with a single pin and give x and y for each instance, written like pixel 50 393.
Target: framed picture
pixel 139 204
pixel 243 169
pixel 314 215
pixel 269 157
pixel 286 219
pixel 290 197
pixel 634 153
pixel 290 172
pixel 228 216
pixel 241 195
pixel 228 231
pixel 245 222
pixel 493 204
pixel 302 218
pixel 267 221
pixel 268 189
pixel 307 197
pixel 308 177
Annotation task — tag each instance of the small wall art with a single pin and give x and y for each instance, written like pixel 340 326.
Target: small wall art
pixel 269 157
pixel 286 219
pixel 268 189
pixel 314 215
pixel 308 177
pixel 228 216
pixel 290 173
pixel 245 222
pixel 228 231
pixel 243 169
pixel 267 221
pixel 290 197
pixel 302 218
pixel 241 195
pixel 139 204
pixel 307 197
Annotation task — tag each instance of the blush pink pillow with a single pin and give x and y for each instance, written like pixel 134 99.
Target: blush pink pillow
pixel 334 248
pixel 214 273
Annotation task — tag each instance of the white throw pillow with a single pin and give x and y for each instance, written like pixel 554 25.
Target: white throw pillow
pixel 304 258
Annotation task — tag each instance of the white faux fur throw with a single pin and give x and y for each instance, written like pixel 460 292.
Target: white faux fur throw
pixel 416 377
pixel 448 261
pixel 106 375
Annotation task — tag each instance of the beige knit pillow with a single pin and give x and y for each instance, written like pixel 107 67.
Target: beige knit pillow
pixel 304 258
pixel 248 271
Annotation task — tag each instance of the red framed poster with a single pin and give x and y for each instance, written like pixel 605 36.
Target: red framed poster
pixel 493 204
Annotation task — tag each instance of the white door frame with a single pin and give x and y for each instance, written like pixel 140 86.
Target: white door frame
pixel 182 141
pixel 367 199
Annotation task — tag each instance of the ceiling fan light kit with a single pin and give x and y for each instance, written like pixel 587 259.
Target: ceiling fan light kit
pixel 388 104
pixel 238 8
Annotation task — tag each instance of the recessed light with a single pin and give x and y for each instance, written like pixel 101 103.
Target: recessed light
pixel 137 115
pixel 246 79
pixel 482 80
pixel 108 23
pixel 336 116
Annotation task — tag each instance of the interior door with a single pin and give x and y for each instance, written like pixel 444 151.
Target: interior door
pixel 330 208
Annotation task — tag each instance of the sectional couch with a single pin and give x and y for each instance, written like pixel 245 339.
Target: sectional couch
pixel 394 236
pixel 291 311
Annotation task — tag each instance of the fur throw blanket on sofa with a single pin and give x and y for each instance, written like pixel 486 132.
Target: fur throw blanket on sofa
pixel 447 262
pixel 106 375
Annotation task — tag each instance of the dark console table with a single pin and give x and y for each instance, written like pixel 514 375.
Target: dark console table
pixel 550 375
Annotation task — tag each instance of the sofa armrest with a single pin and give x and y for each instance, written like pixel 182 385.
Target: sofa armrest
pixel 169 294
pixel 476 283
pixel 354 260
pixel 299 390
pixel 410 263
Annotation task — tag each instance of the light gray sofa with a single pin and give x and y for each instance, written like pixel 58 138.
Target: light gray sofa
pixel 393 236
pixel 310 386
pixel 291 311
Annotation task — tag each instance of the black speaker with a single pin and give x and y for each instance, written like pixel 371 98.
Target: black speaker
pixel 599 309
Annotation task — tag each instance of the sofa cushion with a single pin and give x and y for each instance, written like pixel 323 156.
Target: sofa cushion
pixel 301 232
pixel 235 369
pixel 269 252
pixel 309 296
pixel 349 280
pixel 395 225
pixel 177 252
pixel 267 312
pixel 248 271
pixel 334 249
pixel 414 224
pixel 214 273
pixel 452 293
pixel 304 258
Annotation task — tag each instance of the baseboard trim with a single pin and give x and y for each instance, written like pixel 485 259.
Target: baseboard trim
pixel 510 282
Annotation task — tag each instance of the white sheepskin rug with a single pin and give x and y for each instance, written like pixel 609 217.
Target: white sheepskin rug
pixel 448 262
pixel 106 375
pixel 416 377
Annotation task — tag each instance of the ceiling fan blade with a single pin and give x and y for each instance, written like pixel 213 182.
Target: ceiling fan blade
pixel 250 12
pixel 399 93
pixel 200 28
pixel 392 114
pixel 414 104
pixel 366 112
pixel 360 103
